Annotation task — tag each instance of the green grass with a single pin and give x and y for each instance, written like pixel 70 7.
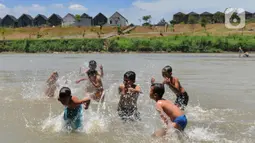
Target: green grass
pixel 193 44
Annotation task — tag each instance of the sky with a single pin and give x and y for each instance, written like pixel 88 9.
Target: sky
pixel 133 10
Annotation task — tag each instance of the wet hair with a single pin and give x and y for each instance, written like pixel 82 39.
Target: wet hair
pixel 64 92
pixel 91 72
pixel 56 73
pixel 130 75
pixel 166 71
pixel 92 63
pixel 159 89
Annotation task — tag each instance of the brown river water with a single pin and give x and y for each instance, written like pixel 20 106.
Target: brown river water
pixel 221 89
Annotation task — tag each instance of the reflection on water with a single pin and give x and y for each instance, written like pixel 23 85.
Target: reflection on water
pixel 221 107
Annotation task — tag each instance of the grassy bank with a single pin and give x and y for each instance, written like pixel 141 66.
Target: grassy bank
pixel 139 31
pixel 196 44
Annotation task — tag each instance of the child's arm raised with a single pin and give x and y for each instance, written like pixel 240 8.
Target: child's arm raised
pixel 161 112
pixel 78 101
pixel 50 78
pixel 175 87
pixel 137 89
pixel 78 81
pixel 122 90
pixel 101 71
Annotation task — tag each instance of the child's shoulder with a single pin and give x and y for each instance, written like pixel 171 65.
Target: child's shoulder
pixel 122 85
pixel 161 101
pixel 176 79
pixel 74 97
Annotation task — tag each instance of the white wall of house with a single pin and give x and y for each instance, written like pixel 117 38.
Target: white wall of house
pixel 116 20
pixel 68 20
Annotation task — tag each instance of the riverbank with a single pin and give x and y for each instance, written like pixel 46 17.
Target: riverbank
pixel 179 44
pixel 138 31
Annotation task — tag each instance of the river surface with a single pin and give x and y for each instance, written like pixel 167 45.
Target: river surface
pixel 221 88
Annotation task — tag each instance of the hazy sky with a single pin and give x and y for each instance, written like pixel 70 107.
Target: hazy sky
pixel 133 10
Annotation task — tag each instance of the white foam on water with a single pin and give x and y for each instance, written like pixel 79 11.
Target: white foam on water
pixel 203 134
pixel 32 89
pixel 197 113
pixel 95 121
pixel 250 131
pixel 91 123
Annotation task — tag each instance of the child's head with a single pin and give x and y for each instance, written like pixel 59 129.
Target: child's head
pixel 129 78
pixel 92 64
pixel 65 95
pixel 55 75
pixel 92 74
pixel 167 72
pixel 157 91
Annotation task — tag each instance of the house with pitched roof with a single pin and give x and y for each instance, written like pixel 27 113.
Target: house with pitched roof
pixel 85 20
pixel 68 20
pixel 9 21
pixel 100 19
pixel 208 16
pixel 218 17
pixel 195 15
pixel 55 20
pixel 179 17
pixel 118 20
pixel 248 15
pixel 25 20
pixel 40 20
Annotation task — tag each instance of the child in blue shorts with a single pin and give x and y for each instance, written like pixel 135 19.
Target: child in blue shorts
pixel 73 107
pixel 167 110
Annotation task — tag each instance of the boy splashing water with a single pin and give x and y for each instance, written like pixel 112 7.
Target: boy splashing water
pixel 95 86
pixel 167 110
pixel 174 84
pixel 73 108
pixel 93 66
pixel 129 92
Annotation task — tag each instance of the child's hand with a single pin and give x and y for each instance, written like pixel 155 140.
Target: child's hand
pixel 78 81
pixel 101 67
pixel 167 80
pixel 131 90
pixel 85 106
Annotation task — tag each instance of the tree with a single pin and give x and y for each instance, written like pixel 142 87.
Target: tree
pixel 147 20
pixel 78 17
pixel 192 21
pixel 3 33
pixel 173 22
pixel 83 34
pixel 204 22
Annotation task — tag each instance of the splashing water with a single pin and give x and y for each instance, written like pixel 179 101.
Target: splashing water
pixel 102 118
pixel 32 89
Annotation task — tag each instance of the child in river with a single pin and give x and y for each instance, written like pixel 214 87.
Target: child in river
pixel 73 107
pixel 175 85
pixel 51 84
pixel 93 66
pixel 95 86
pixel 169 113
pixel 129 93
